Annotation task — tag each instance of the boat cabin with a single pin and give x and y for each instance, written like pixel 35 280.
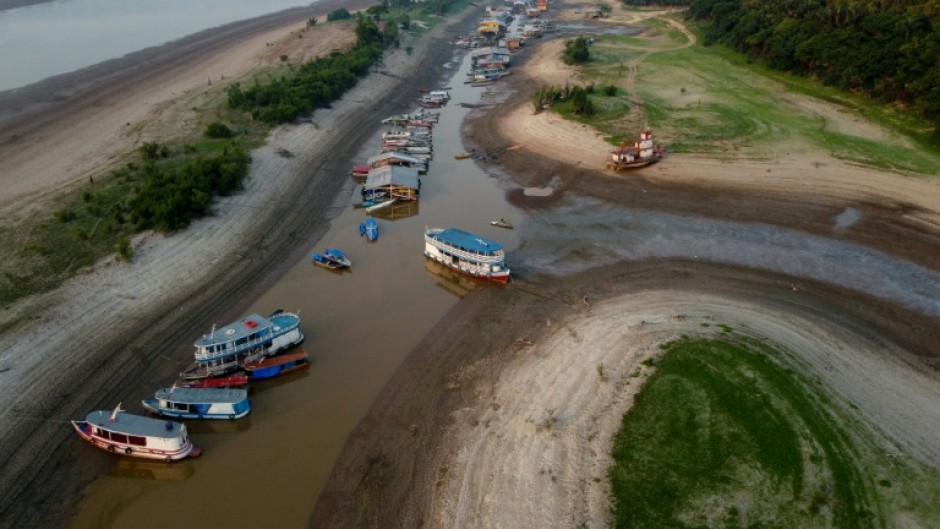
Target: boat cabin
pixel 135 435
pixel 392 181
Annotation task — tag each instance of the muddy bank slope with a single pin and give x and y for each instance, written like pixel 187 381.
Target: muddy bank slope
pixel 119 328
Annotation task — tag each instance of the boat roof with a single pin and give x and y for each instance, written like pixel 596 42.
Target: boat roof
pixel 201 395
pixel 395 155
pixel 134 424
pixel 334 252
pixel 392 175
pixel 468 241
pixel 489 51
pixel 233 331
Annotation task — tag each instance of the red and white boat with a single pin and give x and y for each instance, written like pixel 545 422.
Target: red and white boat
pixel 131 435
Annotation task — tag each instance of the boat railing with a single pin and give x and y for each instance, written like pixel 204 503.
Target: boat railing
pixel 469 256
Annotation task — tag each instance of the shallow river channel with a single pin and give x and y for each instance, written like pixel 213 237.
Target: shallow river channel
pixel 359 326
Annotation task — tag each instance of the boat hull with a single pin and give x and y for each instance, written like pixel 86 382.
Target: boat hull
pixel 277 366
pixel 84 431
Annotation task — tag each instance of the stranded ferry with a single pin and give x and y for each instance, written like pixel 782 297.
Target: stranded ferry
pixel 467 253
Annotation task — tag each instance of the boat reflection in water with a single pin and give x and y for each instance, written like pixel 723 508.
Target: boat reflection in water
pixel 130 468
pixel 398 210
pixel 218 427
pixel 454 282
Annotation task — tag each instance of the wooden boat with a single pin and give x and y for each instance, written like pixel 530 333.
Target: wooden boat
pixel 502 223
pixel 123 433
pixel 277 365
pixel 640 154
pixel 462 155
pixel 332 258
pixel 199 403
pixel 359 171
pixel 223 351
pixel 468 253
pixel 381 205
pixel 231 381
pixel 369 228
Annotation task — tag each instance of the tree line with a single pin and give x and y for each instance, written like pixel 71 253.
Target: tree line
pixel 887 51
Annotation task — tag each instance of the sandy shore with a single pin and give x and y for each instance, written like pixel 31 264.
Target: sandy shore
pixel 500 418
pixel 115 327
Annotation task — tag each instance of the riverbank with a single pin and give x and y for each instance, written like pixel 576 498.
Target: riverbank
pixel 502 418
pixel 119 328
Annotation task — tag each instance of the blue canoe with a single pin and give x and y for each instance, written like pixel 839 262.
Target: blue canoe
pixel 369 228
pixel 273 366
pixel 332 258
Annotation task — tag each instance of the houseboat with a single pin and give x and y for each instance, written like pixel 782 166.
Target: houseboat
pixel 225 350
pixel 277 365
pixel 120 432
pixel 199 403
pixel 467 253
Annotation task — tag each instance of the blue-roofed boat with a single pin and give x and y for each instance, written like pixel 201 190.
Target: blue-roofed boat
pixel 467 253
pixel 276 365
pixel 225 350
pixel 332 258
pixel 199 403
pixel 120 432
pixel 369 228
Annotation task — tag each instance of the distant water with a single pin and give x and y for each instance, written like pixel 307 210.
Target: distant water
pixel 53 38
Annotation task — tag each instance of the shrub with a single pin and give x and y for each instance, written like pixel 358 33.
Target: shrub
pixel 338 14
pixel 218 130
pixel 576 51
pixel 609 91
pixel 311 22
pixel 124 249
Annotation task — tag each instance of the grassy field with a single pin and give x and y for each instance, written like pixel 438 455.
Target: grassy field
pixel 728 433
pixel 713 101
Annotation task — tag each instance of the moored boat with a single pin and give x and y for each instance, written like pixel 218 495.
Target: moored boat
pixel 231 381
pixel 502 223
pixel 223 351
pixel 369 228
pixel 467 253
pixel 277 365
pixel 199 403
pixel 332 258
pixel 120 432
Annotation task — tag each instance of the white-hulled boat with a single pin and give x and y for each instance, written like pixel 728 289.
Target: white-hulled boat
pixel 120 432
pixel 225 350
pixel 199 403
pixel 467 253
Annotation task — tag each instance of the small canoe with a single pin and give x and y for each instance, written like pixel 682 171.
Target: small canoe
pixel 273 366
pixel 380 205
pixel 462 156
pixel 369 228
pixel 231 381
pixel 332 258
pixel 502 223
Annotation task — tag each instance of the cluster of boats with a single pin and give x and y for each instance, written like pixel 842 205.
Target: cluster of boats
pixel 214 387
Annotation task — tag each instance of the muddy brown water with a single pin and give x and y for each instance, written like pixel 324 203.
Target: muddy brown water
pixel 360 325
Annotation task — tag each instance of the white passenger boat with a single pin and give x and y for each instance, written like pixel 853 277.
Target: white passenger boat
pixel 467 253
pixel 225 350
pixel 199 403
pixel 123 433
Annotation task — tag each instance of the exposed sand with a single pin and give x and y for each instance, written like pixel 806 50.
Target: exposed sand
pixel 506 421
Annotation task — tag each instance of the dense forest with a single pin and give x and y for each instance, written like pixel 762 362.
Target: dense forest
pixel 888 50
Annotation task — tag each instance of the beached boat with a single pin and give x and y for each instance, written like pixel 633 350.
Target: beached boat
pixel 639 154
pixel 467 253
pixel 369 228
pixel 502 223
pixel 332 258
pixel 359 171
pixel 199 403
pixel 120 432
pixel 231 381
pixel 462 155
pixel 277 365
pixel 223 351
pixel 381 205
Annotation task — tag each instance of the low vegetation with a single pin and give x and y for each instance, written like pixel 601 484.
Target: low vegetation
pixel 726 433
pixel 576 51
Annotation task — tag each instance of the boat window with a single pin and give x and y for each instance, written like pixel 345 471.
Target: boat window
pixel 241 341
pixel 104 434
pixel 180 406
pixel 118 437
pixel 253 336
pixel 137 440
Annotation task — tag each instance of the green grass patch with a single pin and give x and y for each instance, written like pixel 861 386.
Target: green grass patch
pixel 723 434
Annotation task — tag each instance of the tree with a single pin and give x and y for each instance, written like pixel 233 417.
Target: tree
pixel 576 51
